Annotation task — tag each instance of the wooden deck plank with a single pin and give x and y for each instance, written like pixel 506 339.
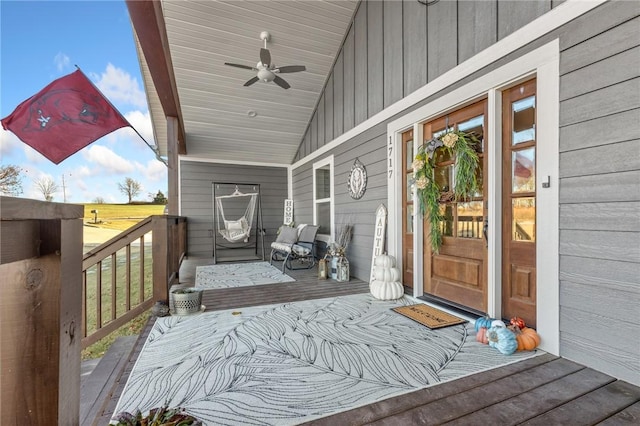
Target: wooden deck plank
pixel 454 406
pixel 628 416
pixel 523 407
pixel 398 404
pixel 593 407
pixel 106 411
pixel 97 386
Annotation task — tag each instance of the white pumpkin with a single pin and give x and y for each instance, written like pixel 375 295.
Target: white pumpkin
pixel 385 261
pixel 386 274
pixel 386 284
pixel 386 290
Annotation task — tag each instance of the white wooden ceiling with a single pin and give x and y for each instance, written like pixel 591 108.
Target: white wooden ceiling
pixel 203 35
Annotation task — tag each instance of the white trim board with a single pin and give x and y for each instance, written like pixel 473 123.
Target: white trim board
pixel 234 162
pixel 327 161
pixel 555 18
pixel 544 64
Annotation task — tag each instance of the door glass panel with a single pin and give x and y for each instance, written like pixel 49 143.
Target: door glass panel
pixel 443 177
pixel 409 151
pixel 523 213
pixel 475 127
pixel 447 225
pixel 523 114
pixel 410 186
pixel 470 219
pixel 442 155
pixel 410 219
pixel 523 170
pixel 479 174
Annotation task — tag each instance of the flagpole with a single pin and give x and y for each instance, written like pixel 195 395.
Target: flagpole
pixel 158 157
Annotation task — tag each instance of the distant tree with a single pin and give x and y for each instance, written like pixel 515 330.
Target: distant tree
pixel 10 180
pixel 159 198
pixel 98 200
pixel 47 187
pixel 130 188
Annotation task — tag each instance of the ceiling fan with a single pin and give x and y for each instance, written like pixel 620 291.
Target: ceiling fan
pixel 267 71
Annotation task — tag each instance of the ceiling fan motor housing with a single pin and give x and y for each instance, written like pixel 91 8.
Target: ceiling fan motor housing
pixel 265 75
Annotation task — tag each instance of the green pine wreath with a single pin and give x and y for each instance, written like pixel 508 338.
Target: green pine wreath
pixel 430 196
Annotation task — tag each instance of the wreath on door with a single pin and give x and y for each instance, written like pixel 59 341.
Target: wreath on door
pixel 430 196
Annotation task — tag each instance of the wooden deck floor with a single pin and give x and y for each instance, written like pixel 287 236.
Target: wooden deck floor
pixel 544 390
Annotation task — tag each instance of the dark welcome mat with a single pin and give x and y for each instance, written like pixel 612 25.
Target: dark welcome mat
pixel 429 316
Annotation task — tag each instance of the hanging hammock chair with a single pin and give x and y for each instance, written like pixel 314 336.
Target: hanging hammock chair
pixel 235 230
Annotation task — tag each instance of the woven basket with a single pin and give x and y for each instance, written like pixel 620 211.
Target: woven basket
pixel 187 303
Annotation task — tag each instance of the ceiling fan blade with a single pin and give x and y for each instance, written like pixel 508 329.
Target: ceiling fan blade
pixel 250 82
pixel 280 82
pixel 246 67
pixel 291 68
pixel 265 57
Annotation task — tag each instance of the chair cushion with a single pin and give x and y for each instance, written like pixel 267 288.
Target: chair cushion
pixel 281 247
pixel 287 235
pixel 301 250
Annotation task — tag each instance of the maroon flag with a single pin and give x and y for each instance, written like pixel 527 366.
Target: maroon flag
pixel 64 117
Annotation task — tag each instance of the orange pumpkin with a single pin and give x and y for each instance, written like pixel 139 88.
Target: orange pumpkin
pixel 518 322
pixel 527 338
pixel 481 336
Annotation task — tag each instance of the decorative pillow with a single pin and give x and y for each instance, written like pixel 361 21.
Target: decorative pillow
pixel 234 225
pixel 287 235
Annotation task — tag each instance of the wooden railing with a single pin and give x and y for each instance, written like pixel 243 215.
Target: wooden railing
pixel 132 271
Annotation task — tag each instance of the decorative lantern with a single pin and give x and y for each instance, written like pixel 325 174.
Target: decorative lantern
pixel 322 269
pixel 343 269
pixel 333 271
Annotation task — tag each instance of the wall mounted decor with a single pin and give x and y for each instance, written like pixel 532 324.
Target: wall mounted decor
pixel 357 182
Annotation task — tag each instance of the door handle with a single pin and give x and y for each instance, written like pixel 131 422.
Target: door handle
pixel 485 232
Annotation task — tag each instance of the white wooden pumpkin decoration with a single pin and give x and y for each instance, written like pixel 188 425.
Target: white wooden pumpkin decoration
pixel 386 284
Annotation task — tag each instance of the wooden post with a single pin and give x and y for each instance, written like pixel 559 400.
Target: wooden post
pixel 160 244
pixel 40 312
pixel 172 172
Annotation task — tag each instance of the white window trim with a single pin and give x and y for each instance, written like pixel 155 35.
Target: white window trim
pixel 327 238
pixel 544 64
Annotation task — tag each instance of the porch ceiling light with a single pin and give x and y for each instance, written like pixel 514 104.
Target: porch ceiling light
pixel 251 113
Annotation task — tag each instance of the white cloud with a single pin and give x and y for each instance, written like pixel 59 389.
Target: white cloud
pixel 32 155
pixel 61 61
pixel 119 86
pixel 8 142
pixel 142 123
pixel 110 162
pixel 155 171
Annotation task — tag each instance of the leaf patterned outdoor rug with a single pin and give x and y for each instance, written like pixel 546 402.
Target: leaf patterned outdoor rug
pixel 290 363
pixel 239 275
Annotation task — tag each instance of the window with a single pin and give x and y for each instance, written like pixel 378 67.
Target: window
pixel 323 198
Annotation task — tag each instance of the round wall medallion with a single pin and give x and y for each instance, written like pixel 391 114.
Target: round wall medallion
pixel 357 183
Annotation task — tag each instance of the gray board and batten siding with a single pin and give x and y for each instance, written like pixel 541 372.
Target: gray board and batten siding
pixel 599 152
pixel 197 202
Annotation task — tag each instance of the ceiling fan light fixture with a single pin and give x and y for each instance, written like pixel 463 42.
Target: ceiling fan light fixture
pixel 266 70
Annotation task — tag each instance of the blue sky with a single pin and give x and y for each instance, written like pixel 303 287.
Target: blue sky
pixel 41 41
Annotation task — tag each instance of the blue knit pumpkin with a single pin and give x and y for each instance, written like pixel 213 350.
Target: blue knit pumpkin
pixel 503 340
pixel 483 322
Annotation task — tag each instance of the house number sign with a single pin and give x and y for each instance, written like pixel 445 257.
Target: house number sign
pixel 357 183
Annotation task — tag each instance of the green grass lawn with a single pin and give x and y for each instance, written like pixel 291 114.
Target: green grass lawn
pixel 121 217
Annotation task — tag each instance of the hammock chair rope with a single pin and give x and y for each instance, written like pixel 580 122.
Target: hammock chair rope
pixel 236 230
